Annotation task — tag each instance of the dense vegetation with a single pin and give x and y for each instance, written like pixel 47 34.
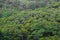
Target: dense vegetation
pixel 29 19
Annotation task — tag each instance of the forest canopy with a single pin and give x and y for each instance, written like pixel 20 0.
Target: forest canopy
pixel 29 19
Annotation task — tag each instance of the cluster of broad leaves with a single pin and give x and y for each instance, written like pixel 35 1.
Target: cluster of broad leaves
pixel 28 24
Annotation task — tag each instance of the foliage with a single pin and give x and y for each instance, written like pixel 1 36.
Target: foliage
pixel 30 23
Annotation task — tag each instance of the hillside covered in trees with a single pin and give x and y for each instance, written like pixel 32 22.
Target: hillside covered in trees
pixel 29 19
